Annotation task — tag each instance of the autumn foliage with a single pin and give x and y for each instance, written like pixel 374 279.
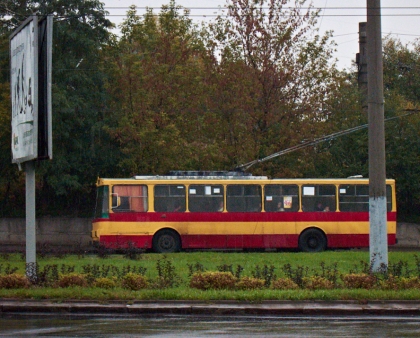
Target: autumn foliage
pixel 169 94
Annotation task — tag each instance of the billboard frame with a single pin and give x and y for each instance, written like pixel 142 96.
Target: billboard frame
pixel 23 44
pixel 45 33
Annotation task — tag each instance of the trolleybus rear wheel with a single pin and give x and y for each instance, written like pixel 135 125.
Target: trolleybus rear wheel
pixel 312 240
pixel 166 241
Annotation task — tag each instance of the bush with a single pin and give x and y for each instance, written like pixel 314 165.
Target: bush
pixel 72 279
pixel 102 251
pixel 266 273
pixel 131 251
pixel 105 283
pixel 213 280
pixel 7 270
pixel 250 283
pixel 14 281
pixel 296 275
pixel 167 276
pixel 399 283
pixel 410 283
pixel 390 283
pixel 284 284
pixel 193 268
pixel 317 283
pixel 359 281
pixel 134 282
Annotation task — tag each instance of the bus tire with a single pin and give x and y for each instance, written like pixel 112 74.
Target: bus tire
pixel 166 241
pixel 312 240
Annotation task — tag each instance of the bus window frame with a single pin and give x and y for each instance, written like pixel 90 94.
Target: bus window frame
pixel 184 205
pixel 128 198
pixel 316 197
pixel 243 195
pixel 295 197
pixel 214 195
pixel 104 203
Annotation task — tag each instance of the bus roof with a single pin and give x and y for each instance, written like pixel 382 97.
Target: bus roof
pixel 249 178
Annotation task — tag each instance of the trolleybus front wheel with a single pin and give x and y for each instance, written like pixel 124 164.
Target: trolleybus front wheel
pixel 166 241
pixel 312 240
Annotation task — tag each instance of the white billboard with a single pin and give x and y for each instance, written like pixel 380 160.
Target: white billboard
pixel 24 91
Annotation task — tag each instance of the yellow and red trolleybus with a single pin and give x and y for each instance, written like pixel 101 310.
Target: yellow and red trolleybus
pixel 230 210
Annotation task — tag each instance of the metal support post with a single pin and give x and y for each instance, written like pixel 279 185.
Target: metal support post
pixel 30 221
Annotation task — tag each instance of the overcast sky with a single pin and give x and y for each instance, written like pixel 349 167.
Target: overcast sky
pixel 399 18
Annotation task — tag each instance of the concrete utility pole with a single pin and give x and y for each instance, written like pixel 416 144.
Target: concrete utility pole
pixel 378 239
pixel 361 61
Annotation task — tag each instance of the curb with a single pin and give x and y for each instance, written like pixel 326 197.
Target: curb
pixel 216 308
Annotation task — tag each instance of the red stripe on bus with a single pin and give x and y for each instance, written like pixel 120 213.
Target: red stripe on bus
pixel 124 241
pixel 243 217
pixel 239 241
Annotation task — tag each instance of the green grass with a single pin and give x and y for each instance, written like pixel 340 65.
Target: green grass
pixel 187 294
pixel 345 261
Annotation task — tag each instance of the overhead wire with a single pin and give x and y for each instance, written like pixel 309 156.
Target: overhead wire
pixel 316 141
pixel 325 9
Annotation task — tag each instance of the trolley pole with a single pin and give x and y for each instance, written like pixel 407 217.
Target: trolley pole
pixel 378 240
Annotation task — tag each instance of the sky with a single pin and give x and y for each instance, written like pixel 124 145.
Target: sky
pixel 400 19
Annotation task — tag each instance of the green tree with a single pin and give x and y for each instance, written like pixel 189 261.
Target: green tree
pixel 158 85
pixel 79 107
pixel 11 180
pixel 402 95
pixel 348 155
pixel 65 184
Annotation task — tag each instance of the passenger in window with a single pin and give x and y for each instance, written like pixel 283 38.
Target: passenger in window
pixel 280 206
pixel 327 208
pixel 319 207
pixel 178 208
pixel 220 208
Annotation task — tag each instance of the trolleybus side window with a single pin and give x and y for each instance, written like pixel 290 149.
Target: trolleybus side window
pixel 170 198
pixel 280 197
pixel 205 198
pixel 243 198
pixel 354 197
pixel 129 198
pixel 318 197
pixel 388 198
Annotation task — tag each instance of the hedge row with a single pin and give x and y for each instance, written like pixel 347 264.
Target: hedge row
pixel 215 280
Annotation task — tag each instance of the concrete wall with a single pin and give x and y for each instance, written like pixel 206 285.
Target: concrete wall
pixel 408 235
pixel 64 233
pixel 74 233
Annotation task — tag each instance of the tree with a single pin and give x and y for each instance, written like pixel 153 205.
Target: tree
pixel 79 107
pixel 11 180
pixel 275 74
pixel 158 86
pixel 402 95
pixel 346 155
pixel 66 184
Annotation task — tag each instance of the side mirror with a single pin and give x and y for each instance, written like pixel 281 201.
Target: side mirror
pixel 116 201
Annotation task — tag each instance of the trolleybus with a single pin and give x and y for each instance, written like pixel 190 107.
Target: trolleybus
pixel 231 210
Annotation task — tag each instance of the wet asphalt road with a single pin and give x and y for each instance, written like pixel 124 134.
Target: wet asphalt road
pixel 390 319
pixel 28 325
